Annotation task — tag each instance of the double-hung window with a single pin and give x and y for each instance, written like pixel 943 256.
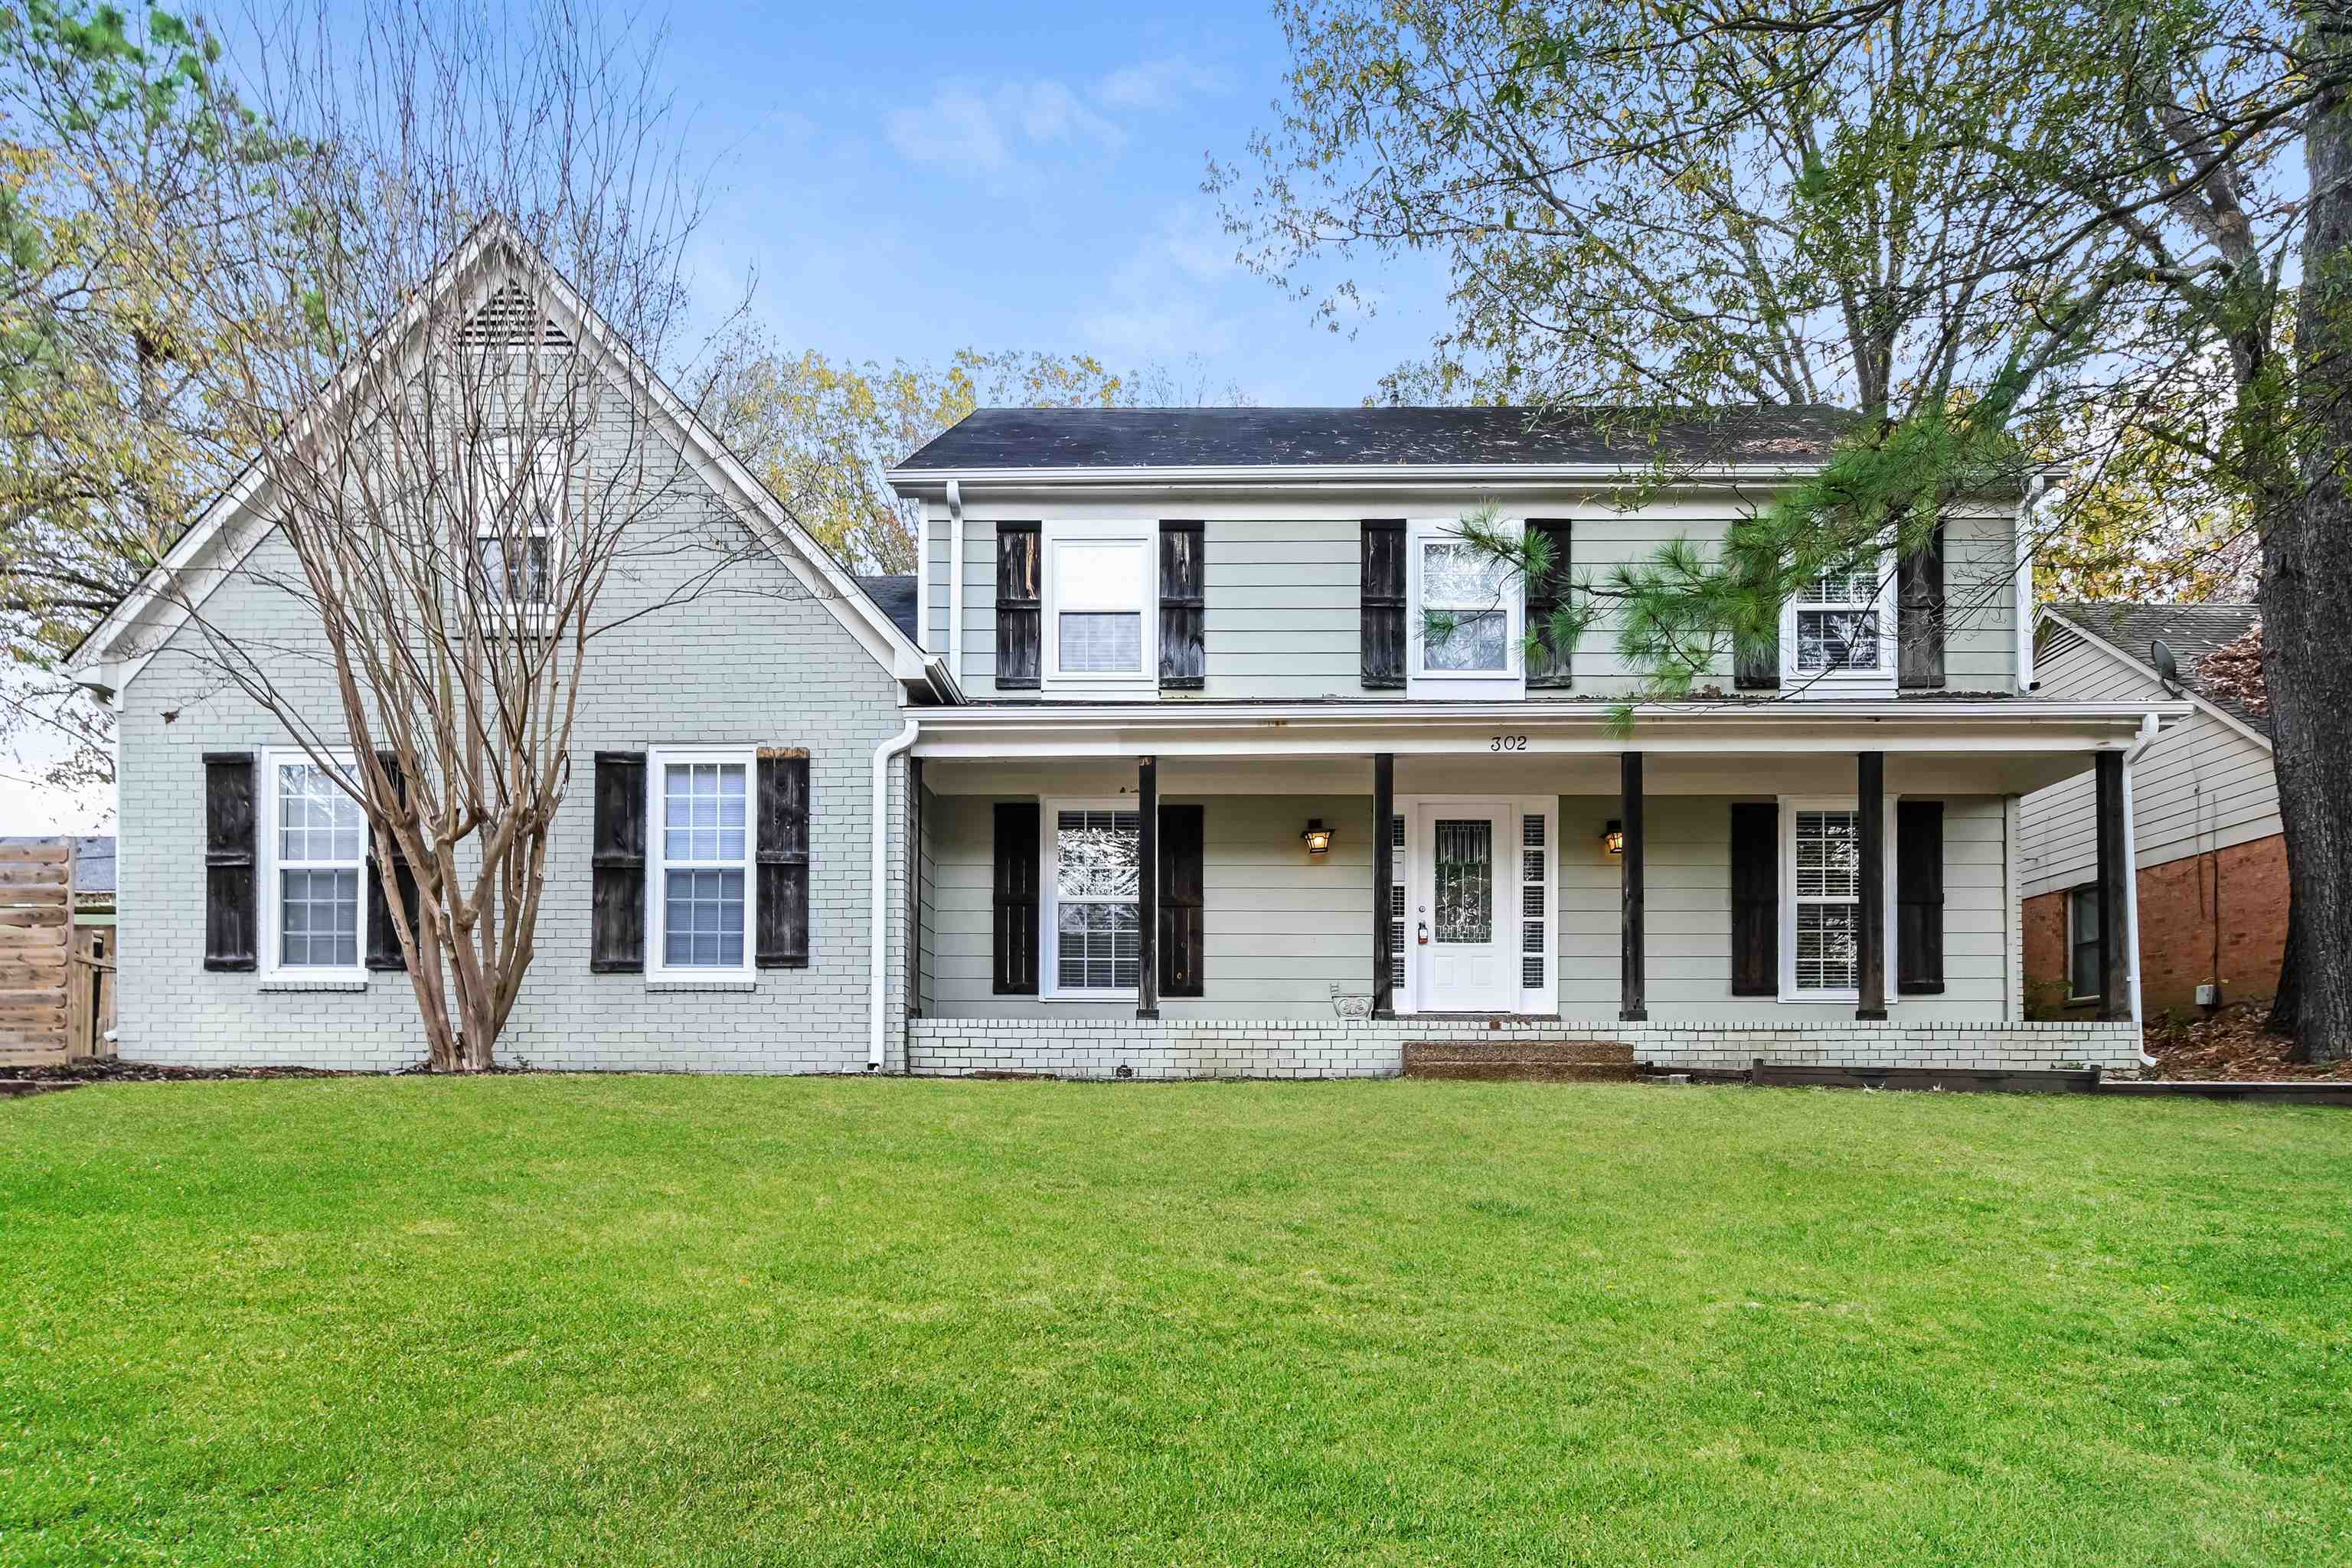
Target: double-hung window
pixel 1825 898
pixel 1466 612
pixel 318 840
pixel 2083 974
pixel 521 516
pixel 701 887
pixel 1092 855
pixel 1101 618
pixel 1838 633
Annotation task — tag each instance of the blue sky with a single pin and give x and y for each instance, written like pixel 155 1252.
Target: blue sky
pixel 904 180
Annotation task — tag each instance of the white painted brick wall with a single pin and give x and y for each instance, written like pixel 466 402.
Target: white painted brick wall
pixel 753 660
pixel 1099 1048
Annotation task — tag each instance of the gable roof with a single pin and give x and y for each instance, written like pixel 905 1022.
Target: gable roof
pixel 895 595
pixel 1495 437
pixel 213 546
pixel 2126 631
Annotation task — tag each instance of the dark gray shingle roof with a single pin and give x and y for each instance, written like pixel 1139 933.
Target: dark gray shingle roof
pixel 896 595
pixel 1216 438
pixel 94 863
pixel 2191 631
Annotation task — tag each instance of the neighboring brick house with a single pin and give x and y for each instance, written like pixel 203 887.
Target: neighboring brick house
pixel 2213 885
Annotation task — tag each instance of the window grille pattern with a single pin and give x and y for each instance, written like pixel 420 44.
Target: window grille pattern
pixel 705 855
pixel 321 851
pixel 704 924
pixel 319 918
pixel 1837 623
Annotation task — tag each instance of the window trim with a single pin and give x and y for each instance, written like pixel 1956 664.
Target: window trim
pixel 545 455
pixel 1142 535
pixel 1880 681
pixel 272 937
pixel 2073 941
pixel 1049 899
pixel 658 760
pixel 1420 533
pixel 1790 804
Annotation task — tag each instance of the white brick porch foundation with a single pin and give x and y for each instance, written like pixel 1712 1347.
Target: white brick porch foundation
pixel 1102 1047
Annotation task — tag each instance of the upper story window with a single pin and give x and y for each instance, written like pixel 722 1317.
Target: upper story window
pixel 521 516
pixel 1099 617
pixel 318 835
pixel 1838 632
pixel 1465 616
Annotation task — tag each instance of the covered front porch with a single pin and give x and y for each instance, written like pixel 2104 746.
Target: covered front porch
pixel 1182 890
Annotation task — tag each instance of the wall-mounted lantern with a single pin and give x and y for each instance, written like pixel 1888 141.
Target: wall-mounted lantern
pixel 1612 837
pixel 1317 837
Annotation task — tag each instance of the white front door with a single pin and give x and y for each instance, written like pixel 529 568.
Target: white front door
pixel 1462 941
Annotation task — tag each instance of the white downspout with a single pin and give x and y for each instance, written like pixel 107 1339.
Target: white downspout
pixel 2023 546
pixel 2147 732
pixel 955 580
pixel 878 939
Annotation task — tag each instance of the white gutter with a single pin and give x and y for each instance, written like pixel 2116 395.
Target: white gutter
pixel 878 880
pixel 2147 734
pixel 2023 547
pixel 955 580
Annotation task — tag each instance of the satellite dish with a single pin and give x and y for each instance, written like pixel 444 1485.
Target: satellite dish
pixel 2167 668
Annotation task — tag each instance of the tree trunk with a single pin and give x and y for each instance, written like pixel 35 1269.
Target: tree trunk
pixel 2306 587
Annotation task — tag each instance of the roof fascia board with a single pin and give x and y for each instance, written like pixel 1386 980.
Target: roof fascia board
pixel 2189 693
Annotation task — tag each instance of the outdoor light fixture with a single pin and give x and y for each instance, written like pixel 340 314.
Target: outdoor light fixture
pixel 1317 837
pixel 1612 837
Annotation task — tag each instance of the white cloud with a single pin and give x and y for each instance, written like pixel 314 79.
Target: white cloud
pixel 967 129
pixel 1163 304
pixel 1156 84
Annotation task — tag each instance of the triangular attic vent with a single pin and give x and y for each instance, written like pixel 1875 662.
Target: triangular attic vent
pixel 511 319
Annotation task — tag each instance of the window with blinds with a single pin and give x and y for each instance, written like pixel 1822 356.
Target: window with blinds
pixel 1826 882
pixel 1097 876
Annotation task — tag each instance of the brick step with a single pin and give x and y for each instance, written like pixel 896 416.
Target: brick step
pixel 1556 1061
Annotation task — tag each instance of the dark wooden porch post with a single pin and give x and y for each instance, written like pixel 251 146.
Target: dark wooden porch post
pixel 2115 954
pixel 1147 887
pixel 1870 838
pixel 1632 973
pixel 1383 874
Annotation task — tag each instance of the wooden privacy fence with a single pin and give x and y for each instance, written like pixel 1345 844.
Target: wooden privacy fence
pixel 36 931
pixel 89 992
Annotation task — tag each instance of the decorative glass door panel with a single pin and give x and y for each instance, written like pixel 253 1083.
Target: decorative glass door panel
pixel 1466 881
pixel 1462 951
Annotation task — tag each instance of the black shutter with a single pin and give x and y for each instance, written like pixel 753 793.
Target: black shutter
pixel 1016 898
pixel 617 935
pixel 1182 829
pixel 1919 897
pixel 231 919
pixel 1183 665
pixel 1548 665
pixel 782 940
pixel 1018 624
pixel 1382 598
pixel 1919 615
pixel 1754 899
pixel 383 942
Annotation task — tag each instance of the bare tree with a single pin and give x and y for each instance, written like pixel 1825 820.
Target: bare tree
pixel 465 446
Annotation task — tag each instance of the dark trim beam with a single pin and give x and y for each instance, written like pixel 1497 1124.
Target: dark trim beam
pixel 1870 837
pixel 1383 875
pixel 1632 973
pixel 1147 888
pixel 2115 892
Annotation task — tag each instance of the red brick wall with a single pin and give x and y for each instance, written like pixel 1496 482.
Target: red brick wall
pixel 2176 931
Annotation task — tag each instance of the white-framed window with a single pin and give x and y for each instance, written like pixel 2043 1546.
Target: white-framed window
pixel 1837 633
pixel 521 520
pixel 700 843
pixel 1821 898
pixel 1100 599
pixel 1466 609
pixel 2083 974
pixel 1536 992
pixel 1092 876
pixel 314 923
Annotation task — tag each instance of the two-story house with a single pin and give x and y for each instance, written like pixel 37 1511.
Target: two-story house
pixel 1208 747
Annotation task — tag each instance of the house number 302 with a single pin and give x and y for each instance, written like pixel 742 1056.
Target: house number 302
pixel 1507 744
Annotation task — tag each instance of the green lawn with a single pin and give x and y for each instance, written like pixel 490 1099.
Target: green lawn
pixel 645 1320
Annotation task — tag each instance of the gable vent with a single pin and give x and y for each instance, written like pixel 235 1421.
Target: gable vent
pixel 511 319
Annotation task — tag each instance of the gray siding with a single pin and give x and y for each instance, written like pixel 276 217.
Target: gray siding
pixel 1282 619
pixel 1284 930
pixel 2204 785
pixel 754 660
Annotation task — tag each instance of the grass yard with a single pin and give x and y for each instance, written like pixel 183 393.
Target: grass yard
pixel 651 1320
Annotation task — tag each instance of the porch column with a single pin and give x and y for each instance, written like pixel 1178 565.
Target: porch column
pixel 1632 998
pixel 1870 838
pixel 2114 888
pixel 1147 887
pixel 1383 875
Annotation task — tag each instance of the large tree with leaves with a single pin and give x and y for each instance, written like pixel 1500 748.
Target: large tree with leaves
pixel 2007 233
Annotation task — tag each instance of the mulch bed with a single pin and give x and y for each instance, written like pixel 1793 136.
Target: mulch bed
pixel 96 1071
pixel 2229 1046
